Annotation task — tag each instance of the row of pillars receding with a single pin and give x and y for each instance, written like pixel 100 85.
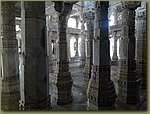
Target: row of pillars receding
pixel 30 89
pixel 132 69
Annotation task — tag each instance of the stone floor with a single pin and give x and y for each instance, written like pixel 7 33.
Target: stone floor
pixel 79 96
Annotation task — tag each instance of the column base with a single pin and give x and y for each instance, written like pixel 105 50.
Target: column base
pixel 10 94
pixel 62 101
pixel 51 67
pixel 62 88
pixel 109 108
pixel 143 81
pixel 141 69
pixel 101 95
pixel 44 105
pixel 86 82
pixel 128 84
pixel 121 106
pixel 82 62
pixel 86 73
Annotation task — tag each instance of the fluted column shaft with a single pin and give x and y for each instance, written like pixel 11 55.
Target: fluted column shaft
pixel 10 94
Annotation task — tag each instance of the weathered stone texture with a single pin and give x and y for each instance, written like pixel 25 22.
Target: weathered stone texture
pixel 82 35
pixel 128 79
pixel 10 87
pixel 141 44
pixel 89 17
pixel 101 91
pixel 35 59
pixel 62 82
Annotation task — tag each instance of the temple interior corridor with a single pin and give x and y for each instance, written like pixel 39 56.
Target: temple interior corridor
pixel 73 56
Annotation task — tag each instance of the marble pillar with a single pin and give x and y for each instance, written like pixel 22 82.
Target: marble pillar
pixel 77 38
pixel 62 86
pixel 128 81
pixel 89 47
pixel 82 35
pixel 49 43
pixel 68 44
pixel 49 50
pixel 115 57
pixel 141 45
pixel 55 51
pixel 34 67
pixel 77 52
pixel 10 94
pixel 115 16
pixel 77 23
pixel 101 91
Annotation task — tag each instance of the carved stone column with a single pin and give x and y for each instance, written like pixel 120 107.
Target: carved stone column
pixel 115 16
pixel 63 82
pixel 82 35
pixel 89 17
pixel 68 44
pixel 49 49
pixel 141 45
pixel 115 57
pixel 10 94
pixel 77 22
pixel 128 82
pixel 77 52
pixel 101 91
pixel 35 76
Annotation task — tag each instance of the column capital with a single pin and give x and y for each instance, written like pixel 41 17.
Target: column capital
pixel 76 36
pixel 131 5
pixel 63 8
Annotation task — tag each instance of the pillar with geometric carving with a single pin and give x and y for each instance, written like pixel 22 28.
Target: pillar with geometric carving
pixel 115 57
pixel 89 18
pixel 128 81
pixel 34 67
pixel 77 52
pixel 49 50
pixel 82 35
pixel 62 86
pixel 101 91
pixel 141 45
pixel 10 94
pixel 68 43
